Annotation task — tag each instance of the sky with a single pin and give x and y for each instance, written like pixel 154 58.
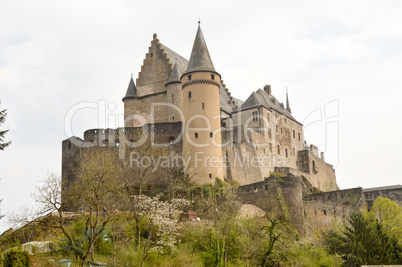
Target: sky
pixel 341 62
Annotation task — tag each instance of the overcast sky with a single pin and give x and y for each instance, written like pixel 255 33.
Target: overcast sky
pixel 340 60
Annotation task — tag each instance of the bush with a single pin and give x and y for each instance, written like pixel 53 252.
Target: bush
pixel 16 258
pixel 1 258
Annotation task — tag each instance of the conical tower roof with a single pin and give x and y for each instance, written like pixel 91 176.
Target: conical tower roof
pixel 200 60
pixel 131 90
pixel 287 102
pixel 175 75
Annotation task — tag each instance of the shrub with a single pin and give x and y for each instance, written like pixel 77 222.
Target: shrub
pixel 16 258
pixel 1 258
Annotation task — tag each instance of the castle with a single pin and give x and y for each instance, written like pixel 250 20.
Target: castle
pixel 188 104
pixel 185 106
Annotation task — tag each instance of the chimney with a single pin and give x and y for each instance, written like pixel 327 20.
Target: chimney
pixel 267 88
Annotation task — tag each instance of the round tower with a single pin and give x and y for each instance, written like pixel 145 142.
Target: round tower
pixel 174 95
pixel 129 101
pixel 201 108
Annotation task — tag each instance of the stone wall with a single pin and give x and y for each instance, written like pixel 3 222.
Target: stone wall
pixel 323 209
pixel 280 196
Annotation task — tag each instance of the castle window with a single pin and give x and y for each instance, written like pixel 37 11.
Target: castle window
pixel 211 135
pixel 212 77
pixel 172 118
pixel 285 120
pixel 294 134
pixel 315 212
pixel 172 99
pixel 270 147
pixel 279 150
pixel 286 152
pixel 335 213
pixel 264 150
pixel 255 116
pixel 210 175
pixel 299 136
pixel 69 144
pixel 189 94
pixel 196 135
pixel 189 77
pixel 276 127
pixel 281 130
pixel 325 212
pixel 297 163
pixel 266 187
pixel 294 152
pixel 152 54
pixel 203 105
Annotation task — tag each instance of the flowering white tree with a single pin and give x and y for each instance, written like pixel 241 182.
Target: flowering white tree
pixel 164 222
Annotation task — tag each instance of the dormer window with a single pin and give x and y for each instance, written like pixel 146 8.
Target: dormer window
pixel 212 76
pixel 189 77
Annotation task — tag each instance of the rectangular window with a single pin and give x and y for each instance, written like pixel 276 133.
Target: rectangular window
pixel 189 94
pixel 286 152
pixel 294 134
pixel 203 105
pixel 299 136
pixel 212 77
pixel 279 150
pixel 189 77
pixel 210 175
pixel 211 135
pixel 196 135
pixel 255 116
pixel 270 147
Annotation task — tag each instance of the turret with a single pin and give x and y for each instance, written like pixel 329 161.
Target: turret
pixel 175 95
pixel 129 101
pixel 201 108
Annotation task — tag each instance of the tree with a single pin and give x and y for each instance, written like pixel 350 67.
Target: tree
pixel 364 241
pixel 3 144
pixel 163 222
pixel 93 195
pixel 388 214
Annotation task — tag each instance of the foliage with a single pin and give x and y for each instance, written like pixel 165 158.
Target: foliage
pixel 16 258
pixel 3 145
pixel 364 241
pixel 1 258
pixel 389 215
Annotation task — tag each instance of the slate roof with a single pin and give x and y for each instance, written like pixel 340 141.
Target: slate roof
pixel 175 75
pixel 175 58
pixel 131 90
pixel 262 98
pixel 200 60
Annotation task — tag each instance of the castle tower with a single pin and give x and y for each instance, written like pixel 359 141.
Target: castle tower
pixel 175 95
pixel 201 108
pixel 129 100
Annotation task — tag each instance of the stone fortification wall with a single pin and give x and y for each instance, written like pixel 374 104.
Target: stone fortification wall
pixel 394 193
pixel 319 173
pixel 323 209
pixel 280 196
